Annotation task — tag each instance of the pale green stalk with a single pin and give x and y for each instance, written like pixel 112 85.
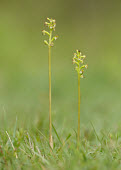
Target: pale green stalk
pixel 50 117
pixel 78 135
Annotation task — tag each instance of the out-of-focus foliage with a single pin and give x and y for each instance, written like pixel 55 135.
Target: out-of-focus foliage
pixel 91 26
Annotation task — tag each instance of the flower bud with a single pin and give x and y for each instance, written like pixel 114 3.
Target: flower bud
pixel 46 23
pixel 48 19
pixel 55 38
pixel 46 43
pixel 45 32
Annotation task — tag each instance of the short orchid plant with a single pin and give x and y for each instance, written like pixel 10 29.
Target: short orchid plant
pixel 78 60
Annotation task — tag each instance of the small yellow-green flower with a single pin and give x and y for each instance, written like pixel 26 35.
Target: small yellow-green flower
pixel 78 59
pixel 51 24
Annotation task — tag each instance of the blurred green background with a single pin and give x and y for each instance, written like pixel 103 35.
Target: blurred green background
pixel 94 27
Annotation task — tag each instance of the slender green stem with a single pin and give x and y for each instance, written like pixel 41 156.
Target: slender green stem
pixel 78 135
pixel 50 118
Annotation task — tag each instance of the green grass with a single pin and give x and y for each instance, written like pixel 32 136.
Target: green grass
pixel 96 151
pixel 100 123
pixel 25 96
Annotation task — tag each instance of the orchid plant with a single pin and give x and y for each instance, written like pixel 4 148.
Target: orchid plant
pixel 51 24
pixel 78 60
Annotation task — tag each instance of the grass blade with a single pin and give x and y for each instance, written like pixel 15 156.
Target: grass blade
pixel 95 133
pixel 14 132
pixel 67 138
pixel 57 134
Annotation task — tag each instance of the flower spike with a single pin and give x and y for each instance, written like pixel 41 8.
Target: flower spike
pixel 78 59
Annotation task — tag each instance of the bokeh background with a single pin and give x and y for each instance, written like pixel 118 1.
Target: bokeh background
pixel 92 26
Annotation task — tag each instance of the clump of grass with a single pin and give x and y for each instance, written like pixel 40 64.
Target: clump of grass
pixel 78 59
pixel 51 24
pixel 98 150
